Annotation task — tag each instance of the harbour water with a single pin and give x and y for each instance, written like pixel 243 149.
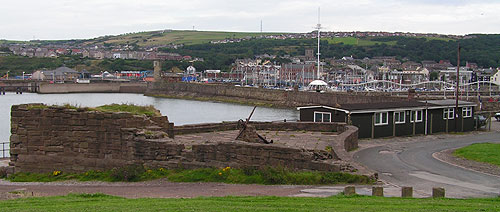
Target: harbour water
pixel 178 111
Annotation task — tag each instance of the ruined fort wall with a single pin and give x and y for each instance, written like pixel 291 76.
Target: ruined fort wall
pixel 276 97
pixel 49 138
pixel 275 126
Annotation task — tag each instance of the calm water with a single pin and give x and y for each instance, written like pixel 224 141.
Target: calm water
pixel 178 111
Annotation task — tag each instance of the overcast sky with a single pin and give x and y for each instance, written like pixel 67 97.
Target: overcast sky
pixel 67 19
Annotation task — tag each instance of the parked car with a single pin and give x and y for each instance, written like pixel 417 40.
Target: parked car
pixel 479 121
pixel 497 116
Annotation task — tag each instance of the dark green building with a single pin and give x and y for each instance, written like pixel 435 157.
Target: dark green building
pixel 402 118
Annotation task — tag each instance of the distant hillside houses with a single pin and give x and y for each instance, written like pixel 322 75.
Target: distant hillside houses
pixel 97 53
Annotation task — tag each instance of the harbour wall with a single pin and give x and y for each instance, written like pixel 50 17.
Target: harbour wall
pixel 56 138
pixel 250 95
pixel 111 87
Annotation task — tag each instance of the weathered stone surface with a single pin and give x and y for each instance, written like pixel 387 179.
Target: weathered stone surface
pixel 79 140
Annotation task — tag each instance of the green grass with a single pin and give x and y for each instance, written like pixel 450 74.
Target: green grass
pixel 481 152
pixel 268 176
pixel 356 41
pixel 102 202
pixel 130 108
pixel 186 37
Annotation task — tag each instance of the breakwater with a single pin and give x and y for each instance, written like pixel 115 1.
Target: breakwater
pixel 125 87
pixel 261 96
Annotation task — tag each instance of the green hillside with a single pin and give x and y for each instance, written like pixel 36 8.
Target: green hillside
pixel 172 37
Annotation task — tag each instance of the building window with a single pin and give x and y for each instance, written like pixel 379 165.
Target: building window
pixel 382 118
pixel 448 113
pixel 399 117
pixel 418 114
pixel 467 112
pixel 322 117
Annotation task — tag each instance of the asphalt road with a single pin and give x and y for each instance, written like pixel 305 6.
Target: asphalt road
pixel 412 164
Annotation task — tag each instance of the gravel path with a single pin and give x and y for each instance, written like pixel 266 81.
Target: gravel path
pixel 153 189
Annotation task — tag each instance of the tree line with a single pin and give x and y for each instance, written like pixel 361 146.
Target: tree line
pixel 481 49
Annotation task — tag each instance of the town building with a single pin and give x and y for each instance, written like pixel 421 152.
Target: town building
pixel 404 118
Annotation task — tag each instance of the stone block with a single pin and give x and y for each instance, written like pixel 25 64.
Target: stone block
pixel 378 191
pixel 438 192
pixel 14 139
pixel 349 190
pixel 407 192
pixel 53 149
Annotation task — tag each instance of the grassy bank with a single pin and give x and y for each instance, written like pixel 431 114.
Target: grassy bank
pixel 101 202
pixel 482 152
pixel 129 108
pixel 267 176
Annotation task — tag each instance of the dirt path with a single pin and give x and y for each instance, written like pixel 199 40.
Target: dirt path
pixel 155 189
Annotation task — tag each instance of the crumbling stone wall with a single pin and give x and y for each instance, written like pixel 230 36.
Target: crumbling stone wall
pixel 58 138
pixel 51 138
pixel 275 125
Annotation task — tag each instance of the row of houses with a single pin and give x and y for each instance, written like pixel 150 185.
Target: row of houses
pixel 98 54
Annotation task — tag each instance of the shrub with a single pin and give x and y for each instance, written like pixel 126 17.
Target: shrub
pixel 131 173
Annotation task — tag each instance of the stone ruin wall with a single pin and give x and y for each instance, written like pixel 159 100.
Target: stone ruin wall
pixel 57 138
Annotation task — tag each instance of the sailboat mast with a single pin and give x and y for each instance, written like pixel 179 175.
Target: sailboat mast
pixel 318 27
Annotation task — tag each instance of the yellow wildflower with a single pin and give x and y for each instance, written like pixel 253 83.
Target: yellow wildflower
pixel 220 173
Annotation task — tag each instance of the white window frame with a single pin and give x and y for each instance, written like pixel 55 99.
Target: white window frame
pixel 467 112
pixel 413 114
pixel 379 122
pixel 322 116
pixel 449 111
pixel 401 114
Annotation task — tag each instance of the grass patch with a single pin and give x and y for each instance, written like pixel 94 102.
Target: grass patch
pixel 130 108
pixel 481 152
pixel 357 41
pixel 102 202
pixel 37 106
pixel 186 37
pixel 267 176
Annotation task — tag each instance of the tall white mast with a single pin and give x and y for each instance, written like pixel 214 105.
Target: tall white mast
pixel 318 27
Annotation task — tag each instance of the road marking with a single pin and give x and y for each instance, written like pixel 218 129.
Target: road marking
pixel 450 181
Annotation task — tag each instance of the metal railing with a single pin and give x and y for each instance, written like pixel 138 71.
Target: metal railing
pixel 4 149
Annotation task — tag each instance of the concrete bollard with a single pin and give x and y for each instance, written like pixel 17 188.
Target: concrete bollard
pixel 407 192
pixel 378 191
pixel 349 190
pixel 438 192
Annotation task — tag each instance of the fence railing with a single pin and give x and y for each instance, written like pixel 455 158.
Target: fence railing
pixel 4 149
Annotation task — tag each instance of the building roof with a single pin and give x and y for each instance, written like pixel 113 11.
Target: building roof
pixel 65 69
pixel 450 102
pixel 382 105
pixel 391 106
pixel 318 82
